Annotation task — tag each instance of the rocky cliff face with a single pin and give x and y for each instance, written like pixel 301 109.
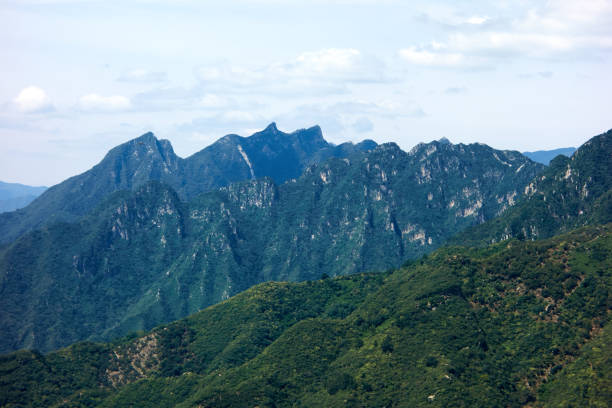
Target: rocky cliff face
pixel 571 193
pixel 145 257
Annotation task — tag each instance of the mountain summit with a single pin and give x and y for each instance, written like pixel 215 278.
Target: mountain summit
pixel 269 153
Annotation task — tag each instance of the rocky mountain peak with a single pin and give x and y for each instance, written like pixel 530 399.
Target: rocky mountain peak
pixel 143 146
pixel 145 138
pixel 271 127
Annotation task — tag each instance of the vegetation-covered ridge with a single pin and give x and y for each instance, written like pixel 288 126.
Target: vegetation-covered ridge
pixel 515 324
pixel 144 257
pixel 571 193
pixel 269 153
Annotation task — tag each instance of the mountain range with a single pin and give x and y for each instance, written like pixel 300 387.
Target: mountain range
pixel 146 257
pixel 546 156
pixel 269 153
pixel 515 313
pixel 14 195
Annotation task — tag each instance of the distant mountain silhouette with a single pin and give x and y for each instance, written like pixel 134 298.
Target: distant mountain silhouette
pixel 545 156
pixel 15 195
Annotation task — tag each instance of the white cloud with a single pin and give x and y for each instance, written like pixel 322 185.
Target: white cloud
pixel 513 43
pixel 333 64
pixel 95 102
pixel 201 97
pixel 236 120
pixel 570 15
pixel 321 71
pixel 342 119
pixel 33 99
pixel 449 16
pixel 225 86
pixel 560 29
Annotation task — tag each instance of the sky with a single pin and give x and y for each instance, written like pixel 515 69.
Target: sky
pixel 79 77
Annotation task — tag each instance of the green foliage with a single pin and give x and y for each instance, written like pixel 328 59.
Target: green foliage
pixel 387 345
pixel 340 382
pixel 431 361
pixel 459 328
pixel 41 381
pixel 585 382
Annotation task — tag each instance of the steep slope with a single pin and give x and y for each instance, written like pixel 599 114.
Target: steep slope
pixel 571 192
pixel 87 273
pixel 501 326
pixel 144 258
pixel 269 153
pixel 15 195
pixel 546 156
pixel 124 167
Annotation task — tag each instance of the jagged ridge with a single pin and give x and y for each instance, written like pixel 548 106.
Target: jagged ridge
pixel 269 153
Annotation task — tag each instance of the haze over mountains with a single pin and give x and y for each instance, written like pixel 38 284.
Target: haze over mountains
pixel 14 195
pixel 513 324
pixel 546 156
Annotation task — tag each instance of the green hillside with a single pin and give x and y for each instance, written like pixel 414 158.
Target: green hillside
pixel 515 324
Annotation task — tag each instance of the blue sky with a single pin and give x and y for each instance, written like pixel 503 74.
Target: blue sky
pixel 79 76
